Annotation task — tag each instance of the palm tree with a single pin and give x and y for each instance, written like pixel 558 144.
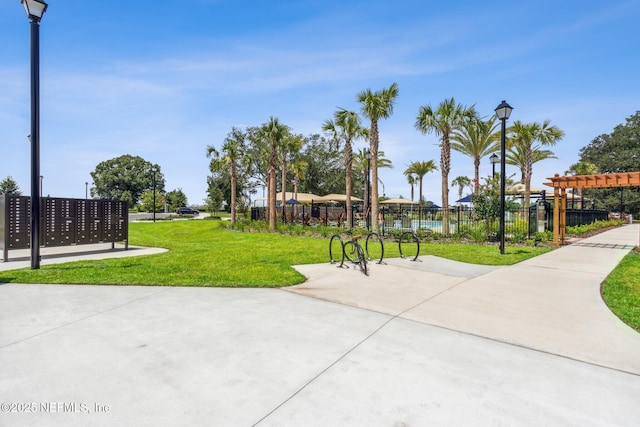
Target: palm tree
pixel 477 138
pixel 447 118
pixel 289 146
pixel 523 148
pixel 412 180
pixel 273 133
pixel 298 168
pixel 376 106
pixel 229 156
pixel 420 169
pixel 346 127
pixel 360 165
pixel 461 182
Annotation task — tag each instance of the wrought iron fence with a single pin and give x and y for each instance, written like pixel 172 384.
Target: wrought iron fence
pixel 519 224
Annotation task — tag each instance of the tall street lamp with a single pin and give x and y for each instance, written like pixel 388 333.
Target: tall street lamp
pixel 86 190
pixel 494 159
pixel 35 9
pixel 153 180
pixel 367 155
pixel 503 111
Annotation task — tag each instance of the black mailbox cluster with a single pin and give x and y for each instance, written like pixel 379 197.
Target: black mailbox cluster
pixel 62 222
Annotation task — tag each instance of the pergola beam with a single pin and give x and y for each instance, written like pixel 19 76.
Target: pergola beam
pixel 561 183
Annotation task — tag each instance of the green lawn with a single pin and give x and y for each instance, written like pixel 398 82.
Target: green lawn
pixel 621 290
pixel 203 253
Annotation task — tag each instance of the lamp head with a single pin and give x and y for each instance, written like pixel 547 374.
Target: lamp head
pixel 367 154
pixel 503 111
pixel 494 159
pixel 34 8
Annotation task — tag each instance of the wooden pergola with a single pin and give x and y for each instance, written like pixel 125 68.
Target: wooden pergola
pixel 561 183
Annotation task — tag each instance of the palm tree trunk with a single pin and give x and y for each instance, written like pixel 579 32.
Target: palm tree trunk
pixel 527 172
pixel 273 161
pixel 374 175
pixel 476 166
pixel 445 165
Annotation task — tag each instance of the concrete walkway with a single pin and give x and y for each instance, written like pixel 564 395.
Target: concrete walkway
pixel 435 343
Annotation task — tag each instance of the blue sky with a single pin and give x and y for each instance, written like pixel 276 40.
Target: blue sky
pixel 163 79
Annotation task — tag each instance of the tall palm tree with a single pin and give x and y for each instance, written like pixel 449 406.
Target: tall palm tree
pixel 477 138
pixel 360 165
pixel 525 142
pixel 290 145
pixel 376 106
pixel 346 127
pixel 461 182
pixel 273 133
pixel 229 157
pixel 442 121
pixel 420 169
pixel 412 180
pixel 298 168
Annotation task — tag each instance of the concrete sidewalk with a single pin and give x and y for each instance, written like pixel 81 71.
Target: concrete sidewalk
pixel 21 258
pixel 550 303
pixel 433 343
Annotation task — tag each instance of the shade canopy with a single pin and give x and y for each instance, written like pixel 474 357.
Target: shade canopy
pixel 466 199
pixel 34 8
pixel 336 198
pixel 398 201
pixel 300 197
pixel 519 189
pixel 293 202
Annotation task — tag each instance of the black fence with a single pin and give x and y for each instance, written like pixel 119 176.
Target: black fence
pixel 63 222
pixel 519 224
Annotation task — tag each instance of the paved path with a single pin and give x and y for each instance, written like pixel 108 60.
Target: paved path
pixel 435 343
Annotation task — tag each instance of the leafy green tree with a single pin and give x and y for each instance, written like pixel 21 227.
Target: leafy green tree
pixel 9 186
pixel 146 201
pixel 325 172
pixel 214 199
pixel 486 203
pixel 616 152
pixel 420 169
pixel 476 138
pixel 346 127
pixel 176 199
pixel 443 121
pixel 376 106
pixel 125 178
pixel 526 141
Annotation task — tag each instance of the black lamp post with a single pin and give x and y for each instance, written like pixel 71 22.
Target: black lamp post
pixel 153 180
pixel 367 155
pixel 494 159
pixel 503 111
pixel 86 190
pixel 35 9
